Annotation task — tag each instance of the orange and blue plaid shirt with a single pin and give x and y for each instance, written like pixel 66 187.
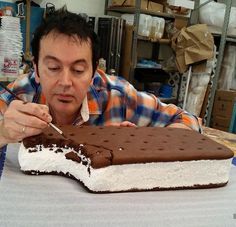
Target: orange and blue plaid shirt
pixel 110 99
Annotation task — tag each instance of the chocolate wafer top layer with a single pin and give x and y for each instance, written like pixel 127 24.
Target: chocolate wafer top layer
pixel 126 145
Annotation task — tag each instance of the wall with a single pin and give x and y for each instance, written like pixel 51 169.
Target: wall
pixel 221 1
pixel 233 2
pixel 91 7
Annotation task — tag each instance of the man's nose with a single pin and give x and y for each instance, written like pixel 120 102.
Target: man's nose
pixel 65 78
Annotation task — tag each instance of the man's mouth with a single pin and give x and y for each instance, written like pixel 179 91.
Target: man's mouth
pixel 65 98
pixel 64 101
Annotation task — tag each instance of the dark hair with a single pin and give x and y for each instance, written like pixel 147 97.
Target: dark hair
pixel 65 22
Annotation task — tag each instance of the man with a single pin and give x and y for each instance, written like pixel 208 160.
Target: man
pixel 66 88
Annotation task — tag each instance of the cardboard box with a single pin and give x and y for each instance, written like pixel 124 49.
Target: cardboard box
pixel 130 3
pixel 182 3
pixel 192 44
pixel 123 3
pixel 200 67
pixel 145 5
pixel 221 123
pixel 223 103
pixel 181 22
pixel 205 102
pixel 126 54
pixel 154 7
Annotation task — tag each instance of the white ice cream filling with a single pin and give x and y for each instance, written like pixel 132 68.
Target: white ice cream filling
pixel 143 176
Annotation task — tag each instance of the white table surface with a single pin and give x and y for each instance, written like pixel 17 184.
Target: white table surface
pixel 58 201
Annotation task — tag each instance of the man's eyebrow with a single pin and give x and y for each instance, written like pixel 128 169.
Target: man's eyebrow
pixel 49 57
pixel 80 61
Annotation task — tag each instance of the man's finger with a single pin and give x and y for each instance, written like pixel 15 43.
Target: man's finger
pixel 37 110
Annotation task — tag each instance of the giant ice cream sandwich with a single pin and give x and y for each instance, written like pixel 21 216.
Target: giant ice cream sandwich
pixel 114 159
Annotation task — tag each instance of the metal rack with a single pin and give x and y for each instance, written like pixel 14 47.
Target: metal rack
pixel 217 69
pixel 134 75
pixel 223 39
pixel 136 10
pixel 215 77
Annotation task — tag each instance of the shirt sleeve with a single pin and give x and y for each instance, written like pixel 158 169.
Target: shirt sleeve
pixel 145 109
pixel 3 107
pixel 24 87
pixel 5 99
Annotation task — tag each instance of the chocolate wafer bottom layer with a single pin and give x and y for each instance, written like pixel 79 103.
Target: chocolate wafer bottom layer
pixel 153 159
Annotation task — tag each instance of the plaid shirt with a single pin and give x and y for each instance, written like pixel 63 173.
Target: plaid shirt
pixel 110 100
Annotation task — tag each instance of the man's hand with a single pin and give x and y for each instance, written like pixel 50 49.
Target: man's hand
pixel 124 124
pixel 178 125
pixel 21 120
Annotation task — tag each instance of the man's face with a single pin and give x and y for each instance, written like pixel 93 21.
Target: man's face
pixel 65 72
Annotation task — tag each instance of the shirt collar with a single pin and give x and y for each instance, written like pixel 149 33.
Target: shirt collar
pixel 84 111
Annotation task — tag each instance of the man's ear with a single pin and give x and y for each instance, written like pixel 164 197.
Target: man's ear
pixel 37 79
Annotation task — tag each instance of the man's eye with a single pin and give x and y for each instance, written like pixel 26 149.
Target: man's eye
pixel 53 68
pixel 78 71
